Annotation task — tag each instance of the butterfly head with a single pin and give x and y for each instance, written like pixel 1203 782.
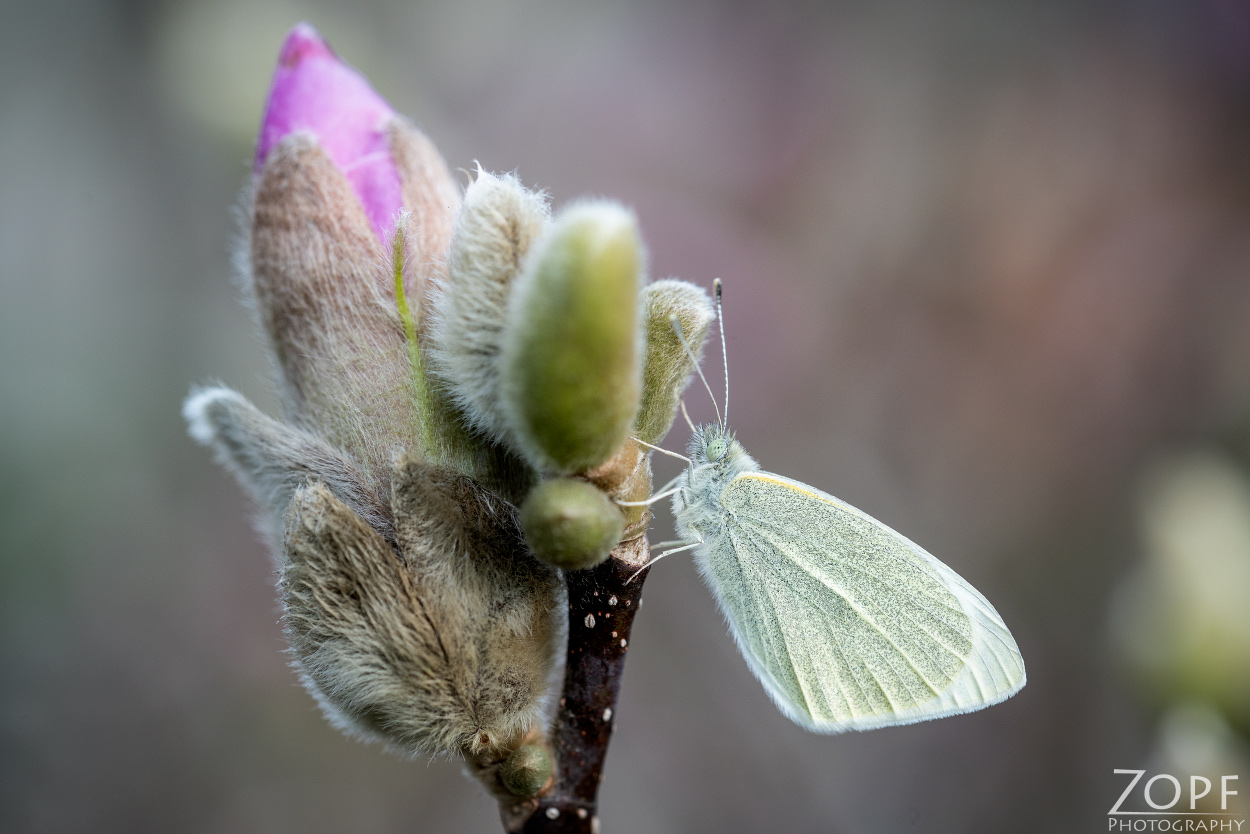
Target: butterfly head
pixel 714 447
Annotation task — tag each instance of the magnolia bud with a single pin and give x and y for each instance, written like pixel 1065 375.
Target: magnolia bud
pixel 526 771
pixel 571 524
pixel 571 345
pixel 414 609
pixel 668 366
pixel 334 168
pixel 429 651
pixel 496 226
pixel 413 603
pixel 315 274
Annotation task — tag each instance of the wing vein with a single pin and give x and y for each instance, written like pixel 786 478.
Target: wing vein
pixel 870 620
pixel 772 603
pixel 863 616
pixel 860 569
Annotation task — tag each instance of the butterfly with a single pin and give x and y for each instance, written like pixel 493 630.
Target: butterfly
pixel 847 624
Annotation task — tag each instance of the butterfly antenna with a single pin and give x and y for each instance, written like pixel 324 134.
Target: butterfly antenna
pixel 681 337
pixel 686 414
pixel 724 352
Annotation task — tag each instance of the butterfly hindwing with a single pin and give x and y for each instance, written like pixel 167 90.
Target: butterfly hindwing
pixel 848 624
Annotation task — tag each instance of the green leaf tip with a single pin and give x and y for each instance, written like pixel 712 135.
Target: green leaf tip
pixel 571 524
pixel 667 369
pixel 526 770
pixel 571 376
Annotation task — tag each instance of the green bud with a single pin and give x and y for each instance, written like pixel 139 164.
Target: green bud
pixel 526 771
pixel 571 524
pixel 668 368
pixel 571 347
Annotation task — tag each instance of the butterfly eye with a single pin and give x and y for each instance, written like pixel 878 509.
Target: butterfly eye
pixel 716 450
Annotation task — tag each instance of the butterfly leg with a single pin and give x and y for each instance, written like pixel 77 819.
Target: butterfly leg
pixel 661 556
pixel 655 448
pixel 656 497
pixel 672 483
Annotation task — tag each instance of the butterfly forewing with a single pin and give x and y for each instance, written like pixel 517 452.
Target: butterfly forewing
pixel 848 624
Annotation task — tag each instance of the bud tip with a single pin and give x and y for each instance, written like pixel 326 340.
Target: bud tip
pixel 314 90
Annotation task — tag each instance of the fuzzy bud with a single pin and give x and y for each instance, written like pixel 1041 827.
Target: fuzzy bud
pixel 335 166
pixel 414 609
pixel 570 524
pixel 319 294
pixel 526 771
pixel 428 651
pixel 315 92
pixel 571 347
pixel 667 369
pixel 498 223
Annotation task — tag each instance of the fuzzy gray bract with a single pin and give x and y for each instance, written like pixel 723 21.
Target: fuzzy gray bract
pixel 495 229
pixel 443 644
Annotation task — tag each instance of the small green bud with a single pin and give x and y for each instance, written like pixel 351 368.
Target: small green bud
pixel 668 368
pixel 571 347
pixel 571 524
pixel 526 771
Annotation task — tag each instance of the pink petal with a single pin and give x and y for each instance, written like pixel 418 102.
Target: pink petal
pixel 313 90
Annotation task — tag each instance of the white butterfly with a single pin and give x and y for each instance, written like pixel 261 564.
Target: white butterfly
pixel 849 625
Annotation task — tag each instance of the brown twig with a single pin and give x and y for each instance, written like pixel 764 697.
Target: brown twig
pixel 601 611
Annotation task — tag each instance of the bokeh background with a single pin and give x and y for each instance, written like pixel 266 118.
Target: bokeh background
pixel 987 270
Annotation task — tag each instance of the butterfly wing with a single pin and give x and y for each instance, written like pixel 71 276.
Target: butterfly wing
pixel 848 624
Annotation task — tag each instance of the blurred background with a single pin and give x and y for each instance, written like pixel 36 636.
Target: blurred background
pixel 987 271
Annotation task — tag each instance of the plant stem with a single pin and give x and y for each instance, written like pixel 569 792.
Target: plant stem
pixel 601 613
